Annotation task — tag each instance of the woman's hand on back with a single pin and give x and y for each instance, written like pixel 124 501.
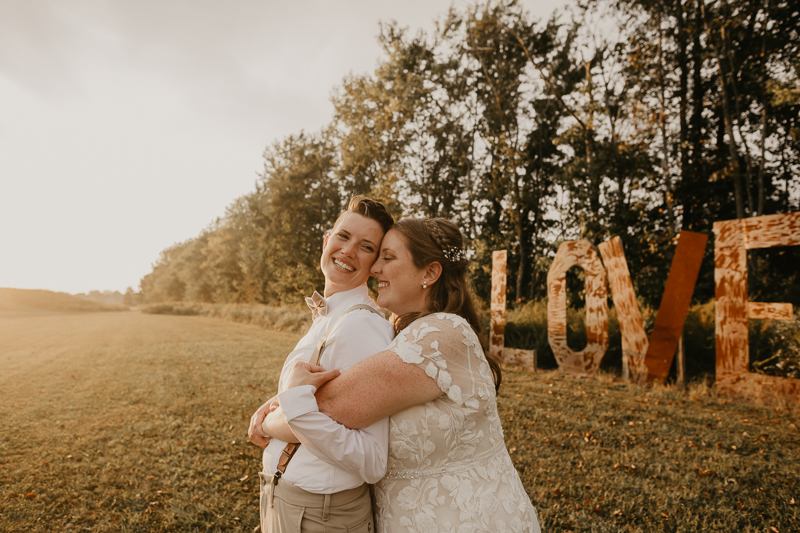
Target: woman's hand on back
pixel 308 374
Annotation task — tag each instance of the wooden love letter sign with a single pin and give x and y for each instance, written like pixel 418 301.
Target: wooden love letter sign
pixel 650 360
pixel 497 315
pixel 733 239
pixel 524 359
pixel 587 361
pixel 631 326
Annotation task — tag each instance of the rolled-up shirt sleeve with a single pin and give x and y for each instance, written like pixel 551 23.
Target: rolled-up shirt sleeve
pixel 362 452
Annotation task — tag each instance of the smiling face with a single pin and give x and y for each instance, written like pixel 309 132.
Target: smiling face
pixel 399 280
pixel 349 252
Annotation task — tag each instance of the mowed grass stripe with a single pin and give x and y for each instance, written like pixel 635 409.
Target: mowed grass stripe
pixel 133 422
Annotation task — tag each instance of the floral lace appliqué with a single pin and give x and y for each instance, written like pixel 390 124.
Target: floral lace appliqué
pixel 449 470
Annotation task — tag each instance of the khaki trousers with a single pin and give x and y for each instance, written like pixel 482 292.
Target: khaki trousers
pixel 286 508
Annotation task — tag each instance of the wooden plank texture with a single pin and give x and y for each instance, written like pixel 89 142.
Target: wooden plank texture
pixel 770 311
pixel 733 239
pixel 674 304
pixel 519 358
pixel 761 389
pixel 634 338
pixel 651 359
pixel 498 304
pixel 730 279
pixel 585 362
pixel 773 230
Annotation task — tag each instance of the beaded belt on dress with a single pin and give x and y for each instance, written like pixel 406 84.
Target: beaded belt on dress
pixel 449 468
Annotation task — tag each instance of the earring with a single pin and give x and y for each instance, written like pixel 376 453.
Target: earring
pixel 424 284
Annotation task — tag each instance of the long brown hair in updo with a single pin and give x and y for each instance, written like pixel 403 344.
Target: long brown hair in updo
pixel 438 240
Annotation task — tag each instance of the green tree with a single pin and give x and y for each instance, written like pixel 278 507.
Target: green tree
pixel 300 200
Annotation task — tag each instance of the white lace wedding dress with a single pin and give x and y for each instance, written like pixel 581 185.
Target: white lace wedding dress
pixel 449 470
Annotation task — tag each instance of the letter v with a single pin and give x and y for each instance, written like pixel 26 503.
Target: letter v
pixel 651 360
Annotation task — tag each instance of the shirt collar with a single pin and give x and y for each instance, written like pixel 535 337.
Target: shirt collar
pixel 343 300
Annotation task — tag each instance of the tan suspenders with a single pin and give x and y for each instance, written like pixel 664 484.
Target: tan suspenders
pixel 291 448
pixel 285 457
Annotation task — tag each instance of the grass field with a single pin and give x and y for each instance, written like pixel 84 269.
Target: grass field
pixel 596 455
pixel 23 301
pixel 136 422
pixel 131 422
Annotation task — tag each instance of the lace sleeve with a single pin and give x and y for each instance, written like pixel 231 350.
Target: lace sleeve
pixel 447 349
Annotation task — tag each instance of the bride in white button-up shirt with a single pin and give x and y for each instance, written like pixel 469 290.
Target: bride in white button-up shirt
pixel 448 468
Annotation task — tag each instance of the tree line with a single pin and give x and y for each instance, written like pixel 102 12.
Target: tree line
pixel 628 118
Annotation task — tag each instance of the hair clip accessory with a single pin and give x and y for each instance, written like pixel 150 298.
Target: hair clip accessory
pixel 453 253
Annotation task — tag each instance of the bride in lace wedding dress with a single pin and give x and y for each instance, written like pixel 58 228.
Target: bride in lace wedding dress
pixel 448 468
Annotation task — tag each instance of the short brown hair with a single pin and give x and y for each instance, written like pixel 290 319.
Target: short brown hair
pixel 438 240
pixel 369 208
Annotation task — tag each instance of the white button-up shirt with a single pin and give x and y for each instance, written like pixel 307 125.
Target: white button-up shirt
pixel 348 459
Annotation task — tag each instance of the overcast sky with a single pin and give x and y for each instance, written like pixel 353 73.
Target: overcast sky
pixel 128 126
